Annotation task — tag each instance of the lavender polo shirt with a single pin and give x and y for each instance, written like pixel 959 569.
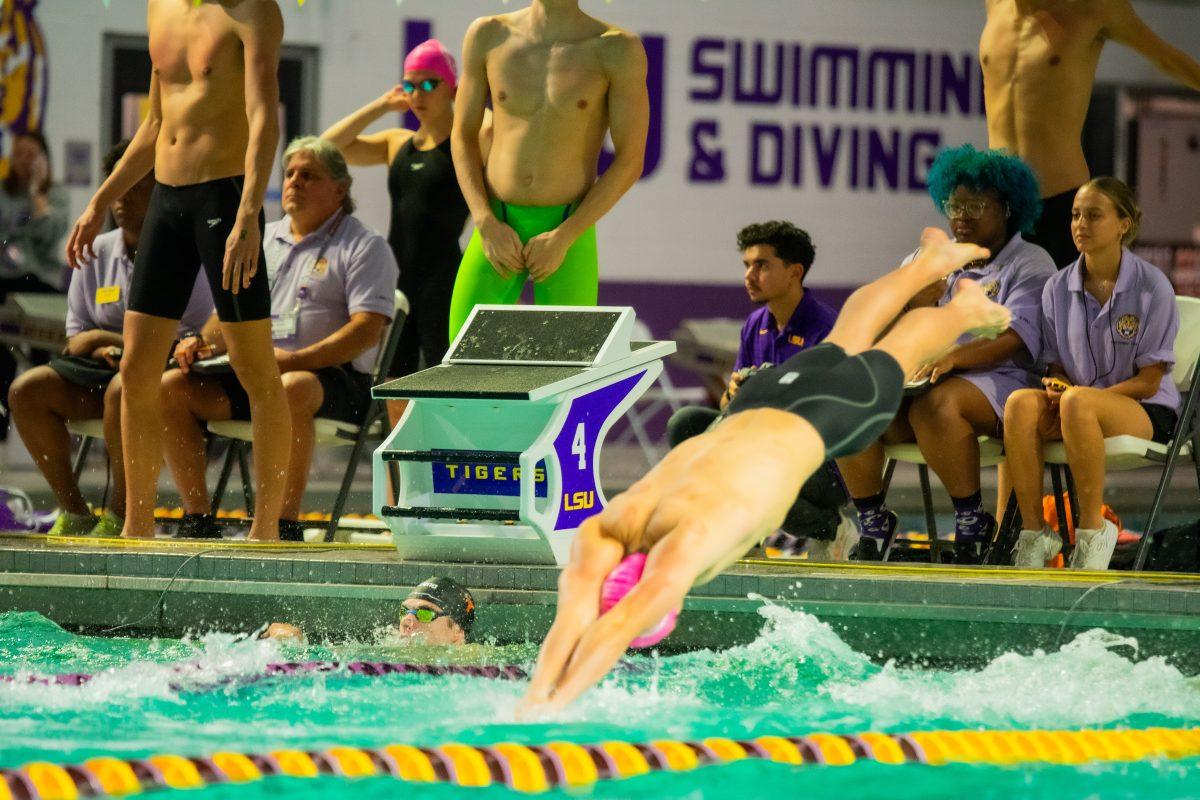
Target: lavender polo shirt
pixel 340 269
pixel 99 292
pixel 763 342
pixel 1103 346
pixel 1015 279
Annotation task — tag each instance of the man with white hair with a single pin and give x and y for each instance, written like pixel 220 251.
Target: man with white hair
pixel 332 282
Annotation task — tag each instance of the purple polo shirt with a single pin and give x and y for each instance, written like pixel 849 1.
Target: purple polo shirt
pixel 1015 279
pixel 1104 346
pixel 99 293
pixel 763 342
pixel 340 269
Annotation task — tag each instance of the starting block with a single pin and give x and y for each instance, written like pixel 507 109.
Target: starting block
pixel 497 455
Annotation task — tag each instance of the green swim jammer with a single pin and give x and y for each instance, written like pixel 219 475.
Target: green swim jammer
pixel 575 283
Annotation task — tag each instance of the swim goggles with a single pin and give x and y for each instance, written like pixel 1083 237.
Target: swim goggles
pixel 427 85
pixel 424 615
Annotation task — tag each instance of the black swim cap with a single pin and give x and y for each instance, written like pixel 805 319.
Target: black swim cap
pixel 454 599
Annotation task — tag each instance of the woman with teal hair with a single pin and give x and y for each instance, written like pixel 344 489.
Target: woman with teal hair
pixel 989 198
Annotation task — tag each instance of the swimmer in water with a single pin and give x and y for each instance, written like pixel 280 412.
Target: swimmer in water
pixel 715 496
pixel 439 612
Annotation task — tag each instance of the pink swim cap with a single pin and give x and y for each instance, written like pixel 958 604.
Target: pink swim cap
pixel 432 56
pixel 619 583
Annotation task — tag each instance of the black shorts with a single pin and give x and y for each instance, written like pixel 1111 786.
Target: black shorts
pixel 1162 419
pixel 84 372
pixel 1053 229
pixel 186 227
pixel 850 400
pixel 347 394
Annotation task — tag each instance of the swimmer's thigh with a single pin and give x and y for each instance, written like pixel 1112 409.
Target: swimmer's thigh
pixel 213 216
pixel 164 269
pixel 577 281
pixel 479 283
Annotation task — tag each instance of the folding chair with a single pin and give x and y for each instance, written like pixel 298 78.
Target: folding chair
pixel 328 433
pixel 991 453
pixel 664 395
pixel 88 431
pixel 1123 453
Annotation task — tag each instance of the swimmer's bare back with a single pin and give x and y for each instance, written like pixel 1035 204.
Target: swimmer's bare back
pixel 550 105
pixel 199 65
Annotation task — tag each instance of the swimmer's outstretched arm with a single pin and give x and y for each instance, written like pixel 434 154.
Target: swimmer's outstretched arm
pixel 699 510
pixel 593 556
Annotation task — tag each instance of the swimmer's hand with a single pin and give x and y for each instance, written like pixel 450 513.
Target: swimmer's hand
pixel 241 254
pixel 395 99
pixel 502 247
pixel 544 254
pixel 79 244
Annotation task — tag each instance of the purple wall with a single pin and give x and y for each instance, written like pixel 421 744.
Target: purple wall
pixel 663 306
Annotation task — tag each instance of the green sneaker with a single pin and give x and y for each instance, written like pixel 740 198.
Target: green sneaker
pixel 69 524
pixel 109 526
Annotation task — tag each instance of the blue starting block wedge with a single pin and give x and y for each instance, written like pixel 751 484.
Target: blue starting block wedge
pixel 497 455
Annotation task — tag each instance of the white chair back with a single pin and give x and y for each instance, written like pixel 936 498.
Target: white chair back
pixel 1187 342
pixel 399 316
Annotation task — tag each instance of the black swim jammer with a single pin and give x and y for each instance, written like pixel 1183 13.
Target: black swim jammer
pixel 850 400
pixel 187 227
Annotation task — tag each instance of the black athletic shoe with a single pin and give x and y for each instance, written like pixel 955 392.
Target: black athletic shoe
pixel 198 526
pixel 970 549
pixel 290 530
pixel 877 535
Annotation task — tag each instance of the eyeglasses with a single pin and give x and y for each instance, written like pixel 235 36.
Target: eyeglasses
pixel 972 209
pixel 427 85
pixel 424 615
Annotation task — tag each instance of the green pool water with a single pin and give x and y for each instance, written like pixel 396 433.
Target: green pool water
pixel 796 677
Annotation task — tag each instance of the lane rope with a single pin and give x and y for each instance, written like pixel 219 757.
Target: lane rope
pixel 532 768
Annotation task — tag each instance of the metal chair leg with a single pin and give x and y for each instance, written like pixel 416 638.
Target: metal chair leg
pixel 339 504
pixel 1072 495
pixel 223 480
pixel 935 543
pixel 889 469
pixel 1060 509
pixel 85 444
pixel 1000 549
pixel 247 479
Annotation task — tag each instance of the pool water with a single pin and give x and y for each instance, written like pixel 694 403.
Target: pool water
pixel 797 677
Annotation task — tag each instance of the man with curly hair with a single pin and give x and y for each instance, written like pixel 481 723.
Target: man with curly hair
pixel 990 198
pixel 777 257
pixel 1039 62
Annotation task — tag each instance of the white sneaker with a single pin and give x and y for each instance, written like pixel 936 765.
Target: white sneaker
pixel 1094 548
pixel 1035 548
pixel 847 536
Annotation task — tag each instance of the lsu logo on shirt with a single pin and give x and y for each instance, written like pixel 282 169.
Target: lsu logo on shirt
pixel 1127 326
pixel 23 73
pixel 992 290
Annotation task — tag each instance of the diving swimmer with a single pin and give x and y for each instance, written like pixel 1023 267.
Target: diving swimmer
pixel 716 495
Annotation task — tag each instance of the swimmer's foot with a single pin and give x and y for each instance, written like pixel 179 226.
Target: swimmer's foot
pixel 982 317
pixel 939 255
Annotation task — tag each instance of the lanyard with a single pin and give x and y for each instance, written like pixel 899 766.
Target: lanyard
pixel 302 291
